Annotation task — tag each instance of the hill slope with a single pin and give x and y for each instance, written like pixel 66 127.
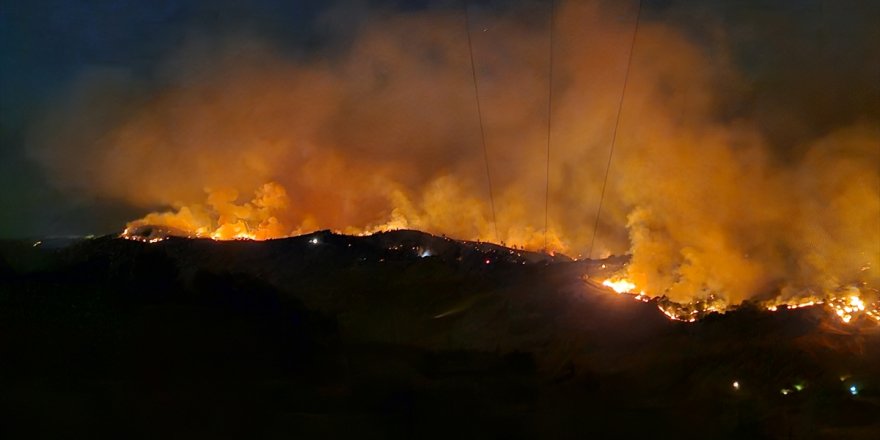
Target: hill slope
pixel 399 334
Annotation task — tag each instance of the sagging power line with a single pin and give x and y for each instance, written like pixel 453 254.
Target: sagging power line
pixel 549 124
pixel 616 125
pixel 480 117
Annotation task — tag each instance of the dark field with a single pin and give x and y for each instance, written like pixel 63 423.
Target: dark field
pixel 371 337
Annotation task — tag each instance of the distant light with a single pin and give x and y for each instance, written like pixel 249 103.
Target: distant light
pixel 736 385
pixel 799 386
pixel 314 240
pixel 853 390
pixel 488 261
pixel 38 243
pixel 425 253
pixel 785 391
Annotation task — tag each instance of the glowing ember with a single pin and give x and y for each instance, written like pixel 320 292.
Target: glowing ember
pixel 620 285
pixel 237 236
pixel 847 305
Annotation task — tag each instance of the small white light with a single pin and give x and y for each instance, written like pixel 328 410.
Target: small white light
pixel 314 240
pixel 736 385
pixel 853 390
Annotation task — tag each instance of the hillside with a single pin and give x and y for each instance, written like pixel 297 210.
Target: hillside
pixel 399 334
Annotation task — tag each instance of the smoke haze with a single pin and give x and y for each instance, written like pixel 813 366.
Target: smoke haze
pixel 232 135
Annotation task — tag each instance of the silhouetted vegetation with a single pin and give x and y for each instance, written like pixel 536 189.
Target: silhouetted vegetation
pixel 363 337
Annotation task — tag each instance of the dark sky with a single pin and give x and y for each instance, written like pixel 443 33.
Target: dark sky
pixel 44 44
pixel 811 65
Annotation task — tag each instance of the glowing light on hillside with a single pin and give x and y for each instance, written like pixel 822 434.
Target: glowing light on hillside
pixel 620 285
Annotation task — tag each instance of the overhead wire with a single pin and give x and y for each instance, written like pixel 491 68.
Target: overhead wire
pixel 616 125
pixel 549 125
pixel 480 117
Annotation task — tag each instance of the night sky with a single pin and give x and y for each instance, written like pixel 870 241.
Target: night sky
pixel 809 66
pixel 47 43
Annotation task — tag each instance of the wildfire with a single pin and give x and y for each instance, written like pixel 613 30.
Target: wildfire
pixel 846 308
pixel 154 234
pixel 846 305
pixel 620 285
pixel 236 236
pixel 689 312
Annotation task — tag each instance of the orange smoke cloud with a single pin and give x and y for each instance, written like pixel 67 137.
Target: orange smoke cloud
pixel 385 135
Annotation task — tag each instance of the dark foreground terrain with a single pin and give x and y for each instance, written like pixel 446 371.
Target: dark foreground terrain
pixel 400 334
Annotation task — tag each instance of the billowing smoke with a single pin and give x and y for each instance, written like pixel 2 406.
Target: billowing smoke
pixel 232 137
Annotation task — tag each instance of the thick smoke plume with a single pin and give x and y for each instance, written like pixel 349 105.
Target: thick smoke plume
pixel 234 138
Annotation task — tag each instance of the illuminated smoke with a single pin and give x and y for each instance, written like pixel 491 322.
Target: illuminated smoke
pixel 238 140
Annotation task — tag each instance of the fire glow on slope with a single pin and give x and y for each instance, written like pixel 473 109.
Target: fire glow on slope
pixel 847 305
pixel 223 217
pixel 241 141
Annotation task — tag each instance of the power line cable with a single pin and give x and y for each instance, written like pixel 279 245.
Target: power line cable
pixel 616 125
pixel 549 125
pixel 480 117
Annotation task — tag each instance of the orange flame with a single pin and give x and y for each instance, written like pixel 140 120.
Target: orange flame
pixel 847 305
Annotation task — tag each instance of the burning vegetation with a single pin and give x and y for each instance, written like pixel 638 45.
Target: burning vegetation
pixel 240 141
pixel 848 305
